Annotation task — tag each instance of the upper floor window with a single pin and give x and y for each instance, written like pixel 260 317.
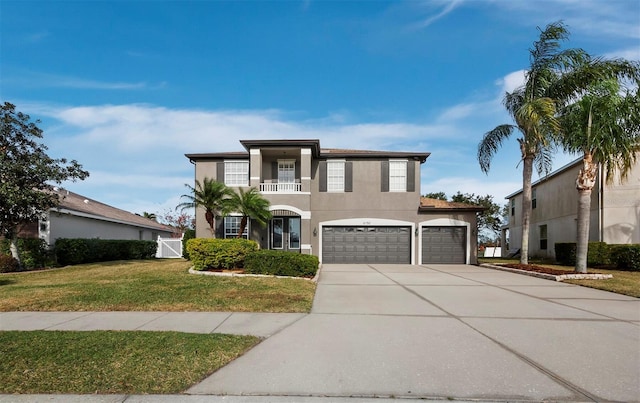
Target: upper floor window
pixel 232 227
pixel 534 199
pixel 335 176
pixel 397 176
pixel 286 171
pixel 513 206
pixel 236 173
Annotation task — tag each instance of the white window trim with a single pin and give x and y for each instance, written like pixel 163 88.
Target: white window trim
pixel 404 186
pixel 336 162
pixel 245 183
pixel 235 235
pixel 286 162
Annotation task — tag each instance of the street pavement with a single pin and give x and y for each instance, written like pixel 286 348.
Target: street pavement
pixel 379 333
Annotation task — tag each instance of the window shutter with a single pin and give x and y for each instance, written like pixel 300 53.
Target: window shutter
pixel 220 172
pixel 322 171
pixel 274 171
pixel 348 176
pixel 411 176
pixel 384 176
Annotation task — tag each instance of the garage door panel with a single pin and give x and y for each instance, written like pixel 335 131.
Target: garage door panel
pixel 366 245
pixel 444 244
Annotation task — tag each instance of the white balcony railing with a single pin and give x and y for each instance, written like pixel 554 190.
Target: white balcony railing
pixel 281 187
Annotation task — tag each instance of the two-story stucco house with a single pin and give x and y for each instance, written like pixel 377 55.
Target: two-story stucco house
pixel 344 206
pixel 614 219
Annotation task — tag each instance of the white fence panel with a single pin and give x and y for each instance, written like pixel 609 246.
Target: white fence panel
pixel 169 248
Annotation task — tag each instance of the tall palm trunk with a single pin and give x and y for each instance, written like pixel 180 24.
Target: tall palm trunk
pixel 584 183
pixel 527 171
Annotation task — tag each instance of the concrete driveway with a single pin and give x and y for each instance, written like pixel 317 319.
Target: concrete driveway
pixel 446 331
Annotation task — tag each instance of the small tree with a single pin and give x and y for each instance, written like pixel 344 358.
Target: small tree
pixel 27 174
pixel 179 223
pixel 209 195
pixel 436 195
pixel 490 220
pixel 249 204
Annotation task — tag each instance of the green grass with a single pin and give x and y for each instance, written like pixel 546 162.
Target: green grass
pixel 623 282
pixel 149 285
pixel 112 362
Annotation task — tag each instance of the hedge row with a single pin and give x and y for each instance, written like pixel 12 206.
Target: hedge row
pixel 281 263
pixel 217 254
pixel 33 253
pixel 76 251
pixel 624 257
pixel 207 254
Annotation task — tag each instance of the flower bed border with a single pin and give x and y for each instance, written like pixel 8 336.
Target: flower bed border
pixel 231 274
pixel 561 277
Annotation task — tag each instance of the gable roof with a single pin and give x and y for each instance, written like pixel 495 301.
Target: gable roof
pixel 429 204
pixel 75 204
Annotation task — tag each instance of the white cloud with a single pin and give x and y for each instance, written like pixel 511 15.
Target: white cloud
pixel 36 79
pixel 449 7
pixel 511 81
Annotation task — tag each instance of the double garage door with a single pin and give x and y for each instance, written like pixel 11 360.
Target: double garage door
pixel 366 245
pixel 380 244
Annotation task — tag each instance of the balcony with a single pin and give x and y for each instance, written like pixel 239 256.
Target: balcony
pixel 280 187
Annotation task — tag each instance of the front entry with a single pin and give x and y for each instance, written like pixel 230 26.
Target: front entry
pixel 285 234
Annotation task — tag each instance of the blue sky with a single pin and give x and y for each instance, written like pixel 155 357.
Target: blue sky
pixel 128 87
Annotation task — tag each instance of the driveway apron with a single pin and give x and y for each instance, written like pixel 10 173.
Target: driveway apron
pixel 446 331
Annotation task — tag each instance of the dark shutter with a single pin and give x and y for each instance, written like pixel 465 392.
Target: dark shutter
pixel 348 176
pixel 384 176
pixel 411 176
pixel 322 172
pixel 274 171
pixel 220 172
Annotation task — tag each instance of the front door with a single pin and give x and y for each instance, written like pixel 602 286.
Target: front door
pixel 285 233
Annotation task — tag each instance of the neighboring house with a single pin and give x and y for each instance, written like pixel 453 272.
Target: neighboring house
pixel 81 217
pixel 344 206
pixel 615 211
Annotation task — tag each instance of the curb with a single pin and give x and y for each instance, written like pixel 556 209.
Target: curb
pixel 561 277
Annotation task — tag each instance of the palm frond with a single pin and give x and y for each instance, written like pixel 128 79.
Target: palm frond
pixel 490 144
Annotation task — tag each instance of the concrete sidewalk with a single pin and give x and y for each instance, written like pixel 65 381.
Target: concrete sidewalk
pixel 240 323
pixel 383 332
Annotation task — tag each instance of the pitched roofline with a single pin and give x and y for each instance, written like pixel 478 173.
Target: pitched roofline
pixel 547 177
pixel 428 204
pixel 333 153
pixel 102 211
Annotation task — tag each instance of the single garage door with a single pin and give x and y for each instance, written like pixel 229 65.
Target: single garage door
pixel 444 245
pixel 366 244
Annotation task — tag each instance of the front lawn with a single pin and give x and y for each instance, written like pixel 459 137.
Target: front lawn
pixel 623 282
pixel 112 362
pixel 149 285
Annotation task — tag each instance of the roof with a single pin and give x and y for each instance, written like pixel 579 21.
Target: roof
pixel 316 151
pixel 549 176
pixel 429 204
pixel 76 204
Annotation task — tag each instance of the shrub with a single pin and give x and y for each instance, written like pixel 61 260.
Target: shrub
pixel 8 264
pixel 76 251
pixel 188 234
pixel 566 253
pixel 33 252
pixel 598 253
pixel 626 257
pixel 281 263
pixel 207 253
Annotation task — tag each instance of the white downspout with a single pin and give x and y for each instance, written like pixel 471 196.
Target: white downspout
pixel 600 206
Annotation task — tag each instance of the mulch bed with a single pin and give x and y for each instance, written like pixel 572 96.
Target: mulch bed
pixel 537 269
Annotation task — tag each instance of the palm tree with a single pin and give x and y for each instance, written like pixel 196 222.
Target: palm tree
pixel 604 126
pixel 150 216
pixel 211 196
pixel 534 114
pixel 249 204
